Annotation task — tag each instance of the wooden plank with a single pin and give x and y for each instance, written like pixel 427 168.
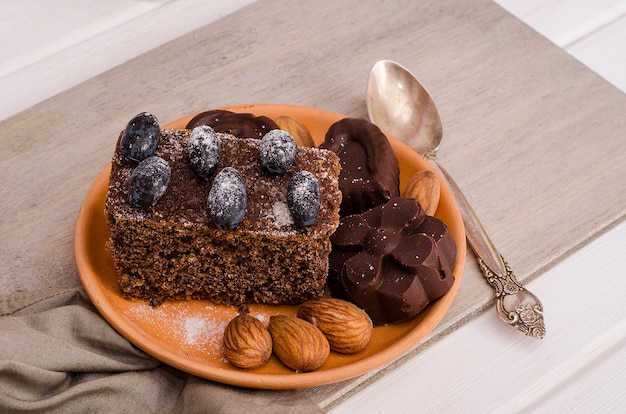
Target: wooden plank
pixel 566 21
pixel 74 41
pixel 36 29
pixel 594 32
pixel 604 52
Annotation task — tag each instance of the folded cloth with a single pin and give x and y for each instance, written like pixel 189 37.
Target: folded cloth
pixel 57 354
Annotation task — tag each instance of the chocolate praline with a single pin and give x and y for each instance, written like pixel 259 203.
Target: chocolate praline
pixel 392 260
pixel 241 125
pixel 369 168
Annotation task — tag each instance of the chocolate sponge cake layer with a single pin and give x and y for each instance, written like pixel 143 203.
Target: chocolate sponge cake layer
pixel 173 250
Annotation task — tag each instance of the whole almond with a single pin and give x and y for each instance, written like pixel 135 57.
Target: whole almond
pixel 425 188
pixel 247 342
pixel 298 131
pixel 346 326
pixel 297 343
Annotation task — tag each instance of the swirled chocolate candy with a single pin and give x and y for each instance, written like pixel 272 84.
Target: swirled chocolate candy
pixel 241 125
pixel 369 168
pixel 392 260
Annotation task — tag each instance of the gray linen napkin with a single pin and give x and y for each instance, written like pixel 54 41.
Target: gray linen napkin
pixel 57 354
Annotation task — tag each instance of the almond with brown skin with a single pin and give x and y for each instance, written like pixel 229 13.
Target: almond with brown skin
pixel 346 326
pixel 425 188
pixel 297 343
pixel 247 342
pixel 298 131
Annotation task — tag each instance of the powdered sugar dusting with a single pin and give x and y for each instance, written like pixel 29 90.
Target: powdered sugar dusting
pixel 282 215
pixel 263 317
pixel 192 330
pixel 197 330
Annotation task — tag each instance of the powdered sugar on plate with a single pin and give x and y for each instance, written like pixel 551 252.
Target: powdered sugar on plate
pixel 197 330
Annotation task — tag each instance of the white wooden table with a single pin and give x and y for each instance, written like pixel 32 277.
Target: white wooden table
pixel 481 367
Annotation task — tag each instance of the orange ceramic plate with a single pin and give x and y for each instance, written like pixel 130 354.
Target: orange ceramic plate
pixel 188 334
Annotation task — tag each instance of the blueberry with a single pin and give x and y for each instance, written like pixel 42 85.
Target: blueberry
pixel 141 137
pixel 148 182
pixel 277 151
pixel 303 198
pixel 227 199
pixel 204 150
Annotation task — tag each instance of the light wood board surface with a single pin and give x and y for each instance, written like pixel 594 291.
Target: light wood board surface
pixel 594 32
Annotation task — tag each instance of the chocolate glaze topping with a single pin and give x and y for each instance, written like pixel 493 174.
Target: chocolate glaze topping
pixel 240 125
pixel 369 168
pixel 392 260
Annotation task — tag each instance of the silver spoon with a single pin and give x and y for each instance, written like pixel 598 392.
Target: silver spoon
pixel 399 104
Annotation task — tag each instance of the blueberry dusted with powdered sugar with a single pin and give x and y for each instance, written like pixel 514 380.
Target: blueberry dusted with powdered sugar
pixel 303 198
pixel 204 150
pixel 148 182
pixel 277 151
pixel 227 199
pixel 140 137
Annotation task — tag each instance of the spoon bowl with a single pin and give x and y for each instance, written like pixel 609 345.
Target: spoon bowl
pixel 401 106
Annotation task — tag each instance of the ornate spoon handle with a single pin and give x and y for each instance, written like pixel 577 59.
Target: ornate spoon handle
pixel 514 304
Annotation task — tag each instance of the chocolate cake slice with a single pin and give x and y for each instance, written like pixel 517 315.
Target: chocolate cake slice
pixel 173 249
